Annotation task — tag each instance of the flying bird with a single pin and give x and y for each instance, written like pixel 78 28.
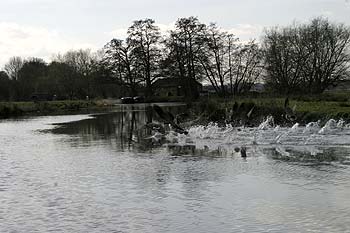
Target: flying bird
pixel 289 112
pixel 168 118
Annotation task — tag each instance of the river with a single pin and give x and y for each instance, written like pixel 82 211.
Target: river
pixel 104 173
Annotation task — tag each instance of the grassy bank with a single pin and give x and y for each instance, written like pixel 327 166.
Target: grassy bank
pixel 307 108
pixel 14 109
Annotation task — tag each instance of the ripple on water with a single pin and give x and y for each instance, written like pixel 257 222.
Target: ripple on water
pixel 87 177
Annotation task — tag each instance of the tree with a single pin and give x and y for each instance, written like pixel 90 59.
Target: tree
pixel 284 58
pixel 144 42
pixel 121 65
pixel 189 41
pixel 228 65
pixel 83 62
pixel 308 57
pixel 328 57
pixel 65 82
pixel 185 49
pixel 247 67
pixel 32 77
pixel 13 66
pixel 216 58
pixel 5 86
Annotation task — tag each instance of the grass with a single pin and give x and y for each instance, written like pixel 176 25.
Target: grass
pixel 308 108
pixel 13 109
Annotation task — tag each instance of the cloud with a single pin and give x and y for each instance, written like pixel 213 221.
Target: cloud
pixel 121 33
pixel 243 31
pixel 246 31
pixel 327 13
pixel 28 41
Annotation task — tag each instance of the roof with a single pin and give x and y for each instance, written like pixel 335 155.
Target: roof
pixel 341 85
pixel 174 82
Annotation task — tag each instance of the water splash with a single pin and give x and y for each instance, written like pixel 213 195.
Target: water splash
pixel 308 140
pixel 328 127
pixel 267 124
pixel 312 127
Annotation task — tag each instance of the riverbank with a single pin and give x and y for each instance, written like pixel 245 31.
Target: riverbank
pixel 238 111
pixel 253 110
pixel 16 109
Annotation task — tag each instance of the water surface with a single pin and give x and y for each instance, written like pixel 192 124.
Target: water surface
pixel 107 173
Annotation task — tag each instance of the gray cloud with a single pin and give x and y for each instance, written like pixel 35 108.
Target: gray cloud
pixel 94 22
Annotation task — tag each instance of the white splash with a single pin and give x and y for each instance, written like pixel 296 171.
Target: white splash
pixel 267 124
pixel 216 136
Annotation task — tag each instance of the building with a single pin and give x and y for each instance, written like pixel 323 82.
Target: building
pixel 177 87
pixel 341 86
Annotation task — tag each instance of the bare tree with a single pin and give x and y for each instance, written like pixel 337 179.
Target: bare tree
pixel 328 61
pixel 247 67
pixel 217 58
pixel 120 62
pixel 230 66
pixel 83 62
pixel 13 66
pixel 189 42
pixel 185 47
pixel 144 41
pixel 306 58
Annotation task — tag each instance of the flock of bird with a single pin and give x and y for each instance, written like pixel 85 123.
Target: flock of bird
pixel 242 111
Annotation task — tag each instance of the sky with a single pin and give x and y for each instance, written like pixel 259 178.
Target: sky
pixel 41 28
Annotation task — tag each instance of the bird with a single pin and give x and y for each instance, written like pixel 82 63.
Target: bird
pixel 243 152
pixel 168 118
pixel 149 114
pixel 235 106
pixel 289 112
pixel 239 113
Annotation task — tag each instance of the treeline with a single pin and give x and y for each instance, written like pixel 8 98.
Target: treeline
pixel 74 75
pixel 306 58
pixel 294 59
pixel 192 50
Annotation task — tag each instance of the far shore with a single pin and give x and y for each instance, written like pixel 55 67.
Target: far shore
pixel 218 110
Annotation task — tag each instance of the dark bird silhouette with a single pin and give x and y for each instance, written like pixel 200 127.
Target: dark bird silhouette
pixel 149 114
pixel 244 152
pixel 241 107
pixel 168 118
pixel 289 113
pixel 242 113
pixel 235 107
pixel 180 117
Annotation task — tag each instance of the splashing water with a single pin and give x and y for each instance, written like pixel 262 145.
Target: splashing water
pixel 312 127
pixel 310 139
pixel 267 124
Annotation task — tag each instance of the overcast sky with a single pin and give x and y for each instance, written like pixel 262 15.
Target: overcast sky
pixel 42 27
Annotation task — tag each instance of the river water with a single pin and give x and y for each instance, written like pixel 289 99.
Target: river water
pixel 106 173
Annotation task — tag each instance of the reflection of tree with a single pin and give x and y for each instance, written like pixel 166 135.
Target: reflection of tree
pixel 189 167
pixel 123 130
pixel 119 129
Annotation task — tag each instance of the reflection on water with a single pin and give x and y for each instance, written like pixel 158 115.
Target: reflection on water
pixel 125 129
pixel 110 173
